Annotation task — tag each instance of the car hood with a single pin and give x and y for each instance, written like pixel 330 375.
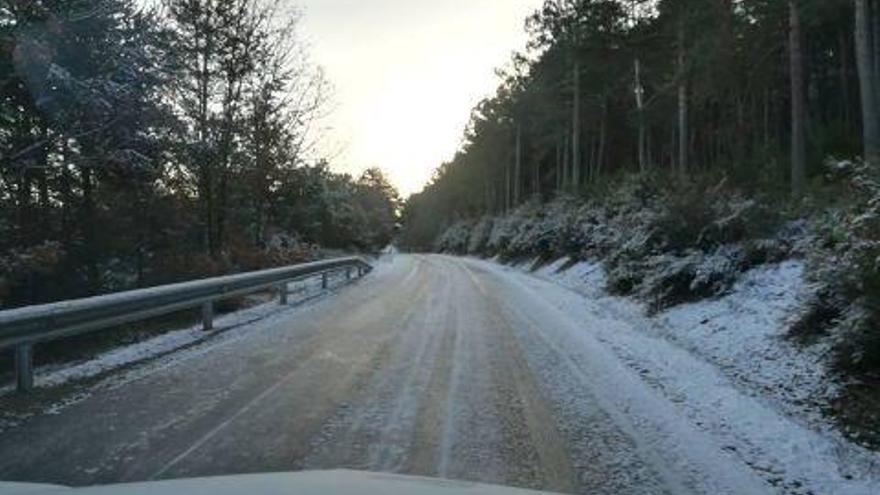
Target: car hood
pixel 337 482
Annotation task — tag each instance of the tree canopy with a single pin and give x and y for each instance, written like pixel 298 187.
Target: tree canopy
pixel 145 145
pixel 684 87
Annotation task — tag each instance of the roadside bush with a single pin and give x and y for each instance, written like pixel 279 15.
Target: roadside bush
pixel 684 215
pixel 543 230
pixel 686 244
pixel 26 273
pixel 456 238
pixel 672 280
pixel 667 241
pixel 479 236
pixel 527 234
pixel 503 231
pixel 845 269
pixel 584 233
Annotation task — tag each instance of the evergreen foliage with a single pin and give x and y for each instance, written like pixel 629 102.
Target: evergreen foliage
pixel 141 146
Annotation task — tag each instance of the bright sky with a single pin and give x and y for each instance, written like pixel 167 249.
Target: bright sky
pixel 406 74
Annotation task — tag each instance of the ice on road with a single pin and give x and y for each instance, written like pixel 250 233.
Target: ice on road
pixel 439 366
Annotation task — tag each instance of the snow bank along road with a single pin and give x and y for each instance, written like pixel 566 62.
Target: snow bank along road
pixel 445 367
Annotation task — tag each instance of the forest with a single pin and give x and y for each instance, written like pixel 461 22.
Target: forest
pixel 680 144
pixel 761 91
pixel 145 143
pixel 758 91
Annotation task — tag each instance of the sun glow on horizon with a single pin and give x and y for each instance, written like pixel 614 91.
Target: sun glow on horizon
pixel 406 75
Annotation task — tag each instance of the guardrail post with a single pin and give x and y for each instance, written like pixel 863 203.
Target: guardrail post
pixel 282 294
pixel 208 316
pixel 348 274
pixel 24 368
pixel 324 280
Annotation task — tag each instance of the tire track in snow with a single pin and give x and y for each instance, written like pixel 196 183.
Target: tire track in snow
pixel 756 435
pixel 534 451
pixel 686 460
pixel 373 430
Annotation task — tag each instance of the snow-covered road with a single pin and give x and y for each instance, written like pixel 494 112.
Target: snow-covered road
pixel 447 367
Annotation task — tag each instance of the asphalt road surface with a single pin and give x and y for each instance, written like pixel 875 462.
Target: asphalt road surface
pixel 431 365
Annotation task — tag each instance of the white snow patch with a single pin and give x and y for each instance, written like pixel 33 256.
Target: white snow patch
pixel 587 277
pixel 725 366
pixel 742 333
pixel 55 375
pixel 116 358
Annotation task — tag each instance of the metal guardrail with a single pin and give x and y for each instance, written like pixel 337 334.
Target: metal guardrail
pixel 23 327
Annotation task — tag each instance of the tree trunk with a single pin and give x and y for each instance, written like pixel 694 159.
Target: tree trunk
pixel 845 99
pixel 591 164
pixel 798 114
pixel 741 130
pixel 66 190
pixel 875 37
pixel 517 171
pixel 89 231
pixel 203 158
pixel 600 160
pixel 221 209
pixel 507 187
pixel 23 191
pixel 43 176
pixel 576 129
pixel 488 205
pixel 566 162
pixel 682 103
pixel 639 90
pixel 766 120
pixel 537 178
pixel 867 83
pixel 206 197
pixel 558 166
pixel 673 145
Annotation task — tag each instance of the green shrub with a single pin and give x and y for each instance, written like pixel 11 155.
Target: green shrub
pixel 844 265
pixel 664 240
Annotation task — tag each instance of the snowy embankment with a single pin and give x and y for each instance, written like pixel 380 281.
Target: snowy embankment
pixel 166 343
pixel 743 333
pixel 725 368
